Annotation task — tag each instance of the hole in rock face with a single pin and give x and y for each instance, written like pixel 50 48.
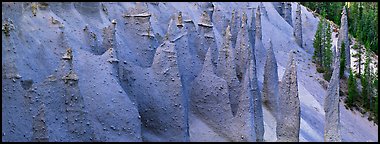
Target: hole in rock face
pixel 26 84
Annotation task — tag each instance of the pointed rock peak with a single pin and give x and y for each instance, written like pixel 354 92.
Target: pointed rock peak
pixel 233 14
pixel 68 55
pixel 344 12
pixel 298 7
pixel 253 17
pixel 179 19
pixel 270 45
pixel 258 24
pixel 207 64
pixel 244 20
pixel 112 57
pixel 258 13
pixel 227 33
pixel 292 55
pixel 205 20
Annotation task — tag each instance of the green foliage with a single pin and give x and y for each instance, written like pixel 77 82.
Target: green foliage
pixel 358 55
pixel 342 60
pixel 318 44
pixel 332 9
pixel 327 75
pixel 362 19
pixel 320 70
pixel 327 52
pixel 352 92
pixel 366 84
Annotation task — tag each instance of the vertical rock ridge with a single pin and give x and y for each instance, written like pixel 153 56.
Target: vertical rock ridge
pixel 288 13
pixel 331 108
pixel 270 85
pixel 226 69
pixel 288 124
pixel 343 37
pixel 243 49
pixel 297 29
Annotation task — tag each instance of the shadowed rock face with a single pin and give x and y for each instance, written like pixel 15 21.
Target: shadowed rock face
pixel 235 26
pixel 331 108
pixel 288 124
pixel 252 31
pixel 226 69
pixel 247 108
pixel 209 8
pixel 259 33
pixel 263 10
pixel 157 100
pixel 297 30
pixel 210 101
pixel 288 13
pixel 243 49
pixel 270 86
pixel 259 50
pixel 279 6
pixel 219 18
pixel 257 102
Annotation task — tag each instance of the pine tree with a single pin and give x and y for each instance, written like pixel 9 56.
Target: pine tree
pixel 342 60
pixel 358 55
pixel 352 92
pixel 327 53
pixel 318 44
pixel 365 80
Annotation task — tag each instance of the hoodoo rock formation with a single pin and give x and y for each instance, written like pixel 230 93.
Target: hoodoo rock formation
pixel 226 69
pixel 243 48
pixel 259 50
pixel 163 71
pixel 343 37
pixel 288 124
pixel 297 29
pixel 270 85
pixel 331 107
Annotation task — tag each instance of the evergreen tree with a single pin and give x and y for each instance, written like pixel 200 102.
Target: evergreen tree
pixel 352 92
pixel 342 60
pixel 327 53
pixel 362 19
pixel 358 55
pixel 365 79
pixel 318 44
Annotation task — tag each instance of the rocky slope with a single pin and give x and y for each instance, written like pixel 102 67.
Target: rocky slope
pixel 162 72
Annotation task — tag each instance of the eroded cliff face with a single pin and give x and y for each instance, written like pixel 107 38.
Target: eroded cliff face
pixel 165 72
